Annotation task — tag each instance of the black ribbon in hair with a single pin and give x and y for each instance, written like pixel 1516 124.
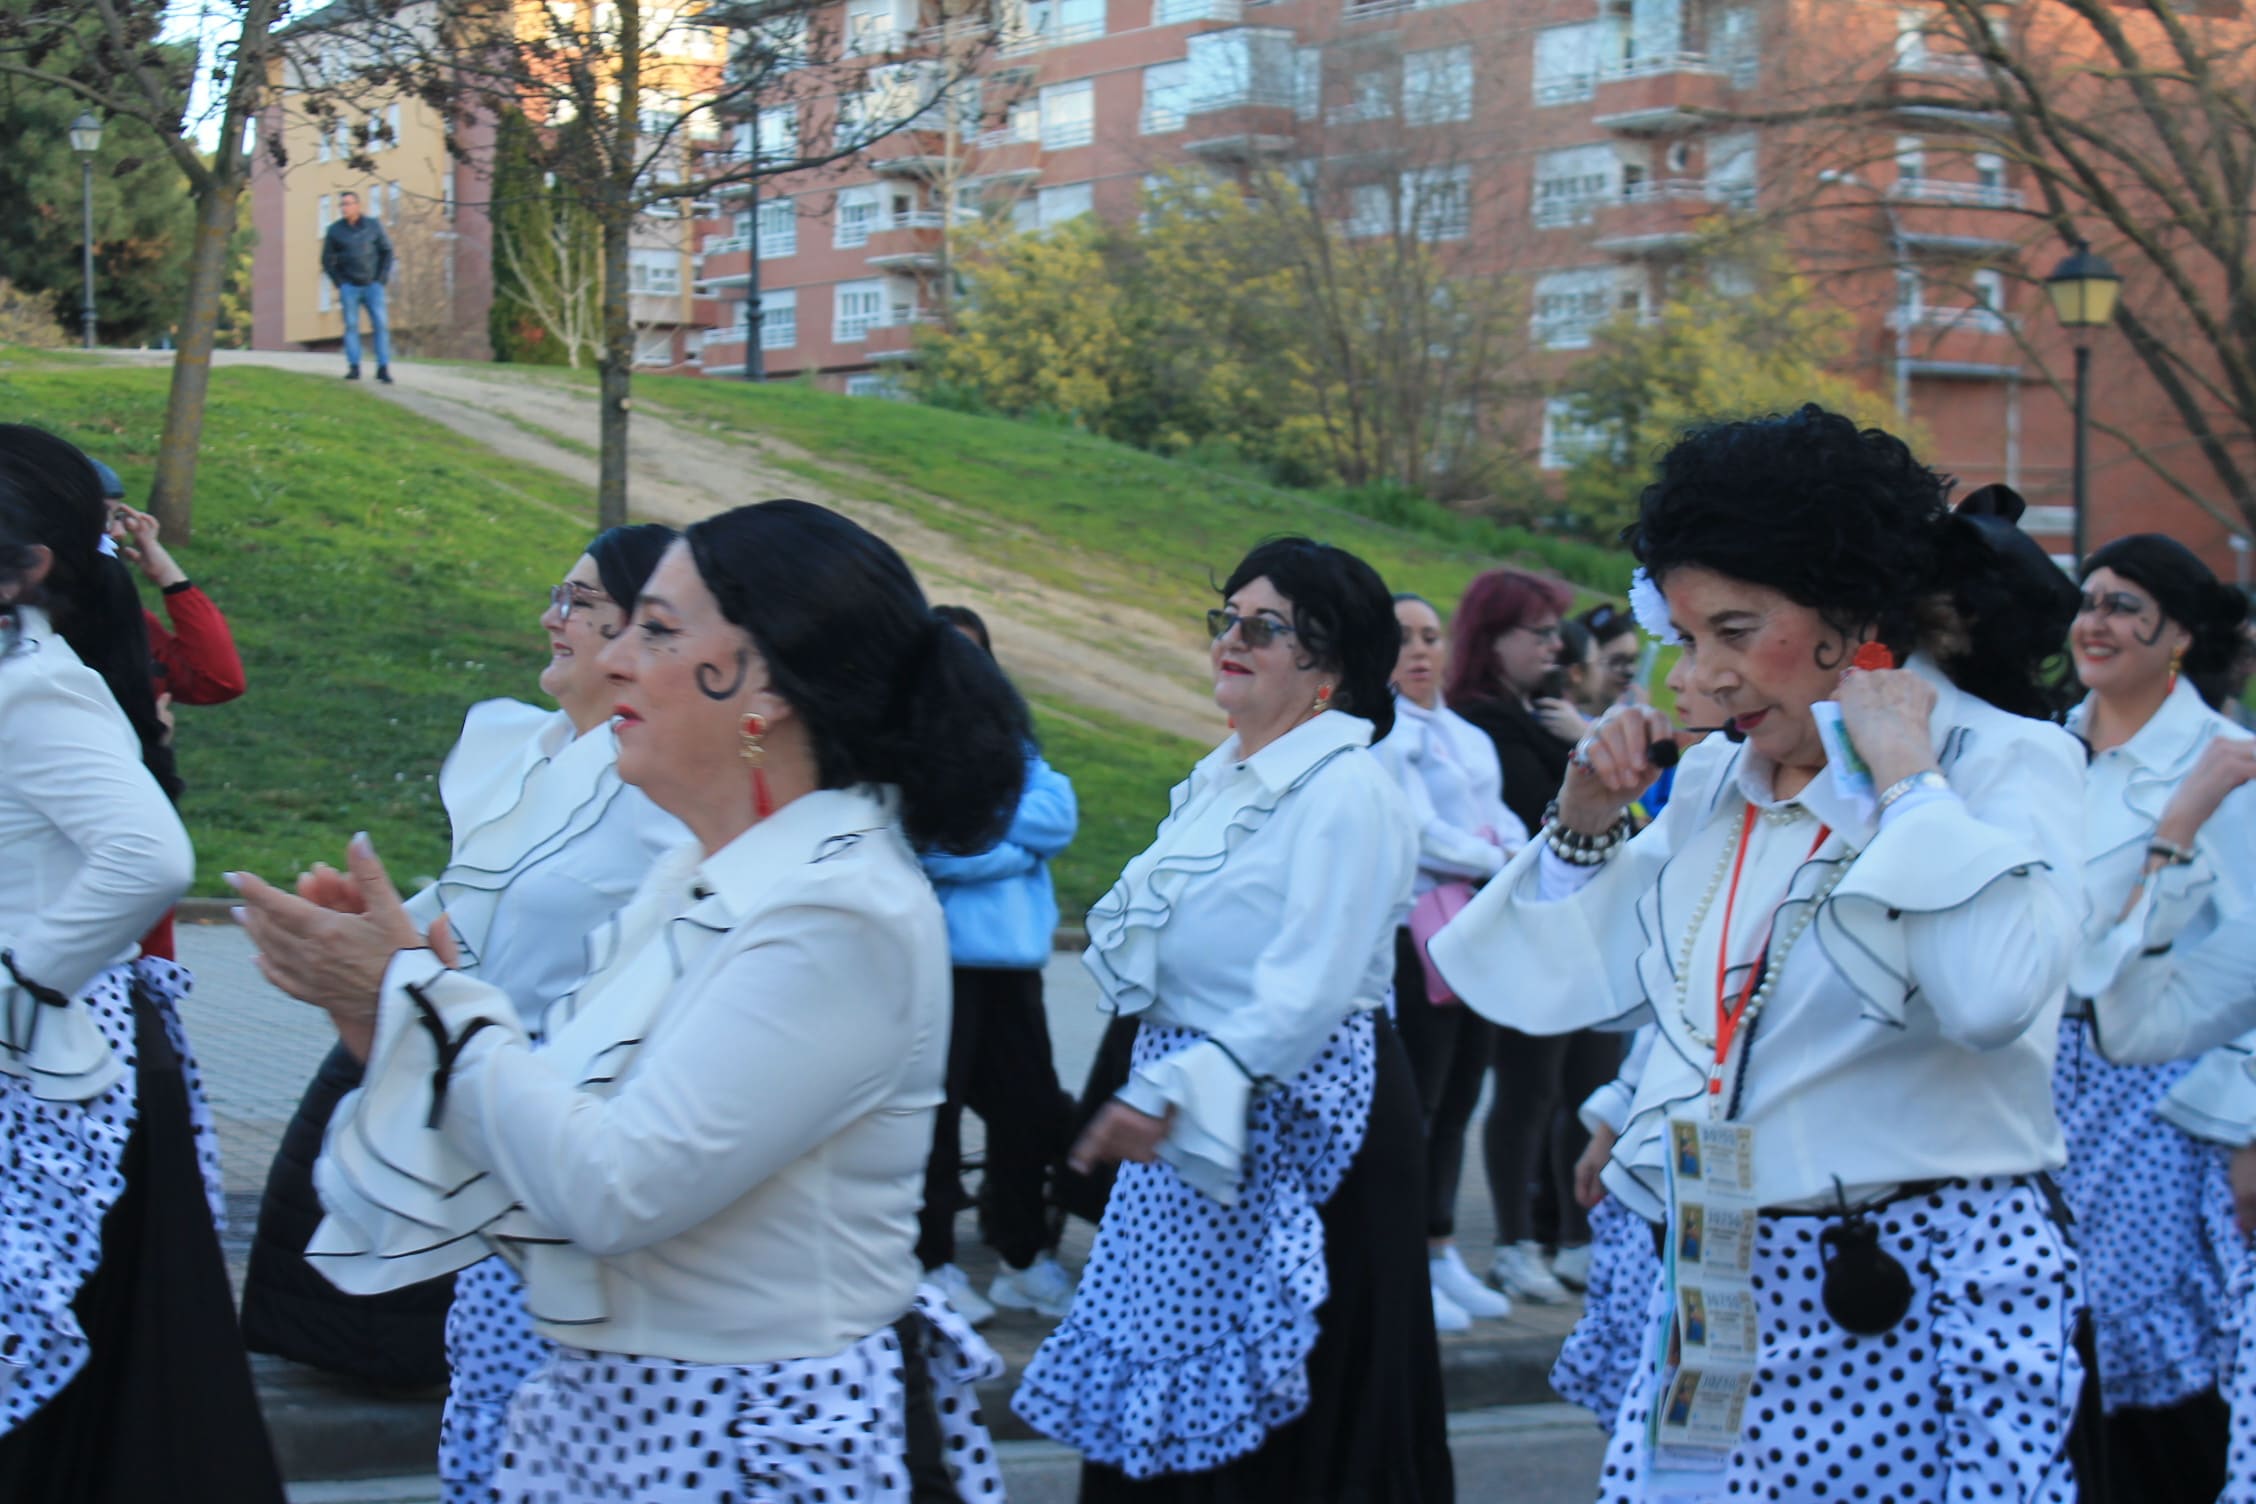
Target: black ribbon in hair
pixel 1989 519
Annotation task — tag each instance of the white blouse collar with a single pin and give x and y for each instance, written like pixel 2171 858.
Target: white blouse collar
pixel 2171 738
pixel 730 885
pixel 1284 761
pixel 1820 797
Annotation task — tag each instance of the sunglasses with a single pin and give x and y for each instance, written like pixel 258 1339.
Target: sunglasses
pixel 569 597
pixel 1254 631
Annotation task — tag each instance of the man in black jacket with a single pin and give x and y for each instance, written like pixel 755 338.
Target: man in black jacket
pixel 356 254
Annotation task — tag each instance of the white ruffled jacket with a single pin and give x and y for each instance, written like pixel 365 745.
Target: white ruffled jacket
pixel 716 1151
pixel 1263 916
pixel 1911 1033
pixel 2175 977
pixel 94 855
pixel 549 843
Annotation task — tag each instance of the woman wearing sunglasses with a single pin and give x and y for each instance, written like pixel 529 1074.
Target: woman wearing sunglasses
pixel 1253 1322
pixel 548 843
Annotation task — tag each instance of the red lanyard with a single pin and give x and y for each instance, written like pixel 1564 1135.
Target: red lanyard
pixel 1727 1020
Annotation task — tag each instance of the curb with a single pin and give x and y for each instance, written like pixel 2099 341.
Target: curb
pixel 327 1428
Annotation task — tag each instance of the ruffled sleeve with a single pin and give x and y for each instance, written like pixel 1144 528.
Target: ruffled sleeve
pixel 2216 1100
pixel 403 1203
pixel 2166 1001
pixel 1970 904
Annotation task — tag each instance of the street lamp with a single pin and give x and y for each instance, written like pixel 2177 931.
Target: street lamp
pixel 2083 290
pixel 86 139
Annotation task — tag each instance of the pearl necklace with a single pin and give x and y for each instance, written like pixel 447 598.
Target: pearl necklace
pixel 1778 950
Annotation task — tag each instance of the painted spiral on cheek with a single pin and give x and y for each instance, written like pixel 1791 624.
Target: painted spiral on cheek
pixel 709 677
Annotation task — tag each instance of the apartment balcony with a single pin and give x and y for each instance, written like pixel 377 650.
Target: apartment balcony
pixel 1194 12
pixel 725 263
pixel 1959 320
pixel 895 339
pixel 1664 216
pixel 1375 10
pixel 1239 127
pixel 908 242
pixel 1673 93
pixel 1011 153
pixel 910 154
pixel 1951 191
pixel 1064 135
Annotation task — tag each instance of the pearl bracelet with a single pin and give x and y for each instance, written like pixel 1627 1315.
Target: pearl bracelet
pixel 1578 849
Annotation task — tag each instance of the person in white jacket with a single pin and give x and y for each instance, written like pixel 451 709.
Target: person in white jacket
pixel 1450 774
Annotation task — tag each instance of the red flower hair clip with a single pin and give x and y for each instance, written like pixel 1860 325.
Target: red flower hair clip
pixel 1872 657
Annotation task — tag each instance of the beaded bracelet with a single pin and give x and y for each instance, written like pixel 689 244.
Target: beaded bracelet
pixel 2172 854
pixel 1577 848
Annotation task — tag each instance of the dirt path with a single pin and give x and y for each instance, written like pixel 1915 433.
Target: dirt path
pixel 1056 644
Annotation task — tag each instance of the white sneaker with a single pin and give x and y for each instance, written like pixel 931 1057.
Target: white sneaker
pixel 1518 1271
pixel 1042 1286
pixel 952 1282
pixel 1448 1315
pixel 1572 1266
pixel 1468 1294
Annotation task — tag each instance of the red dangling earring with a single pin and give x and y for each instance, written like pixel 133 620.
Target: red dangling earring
pixel 754 755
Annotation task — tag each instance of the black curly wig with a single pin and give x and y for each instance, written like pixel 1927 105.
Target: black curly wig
pixel 2189 594
pixel 1343 619
pixel 1849 523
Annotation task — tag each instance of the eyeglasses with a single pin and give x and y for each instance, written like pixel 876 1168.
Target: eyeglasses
pixel 1253 631
pixel 2113 603
pixel 1545 634
pixel 571 596
pixel 1624 664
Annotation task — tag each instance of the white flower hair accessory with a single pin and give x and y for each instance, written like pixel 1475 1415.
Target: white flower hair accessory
pixel 1650 607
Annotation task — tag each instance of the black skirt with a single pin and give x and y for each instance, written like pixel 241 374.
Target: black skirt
pixel 1376 1427
pixel 164 1408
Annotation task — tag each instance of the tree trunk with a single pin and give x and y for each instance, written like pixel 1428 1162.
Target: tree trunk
pixel 172 497
pixel 615 367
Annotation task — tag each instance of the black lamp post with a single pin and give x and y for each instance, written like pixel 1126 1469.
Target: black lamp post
pixel 86 139
pixel 2083 289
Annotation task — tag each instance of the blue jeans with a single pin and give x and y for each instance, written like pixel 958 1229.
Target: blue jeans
pixel 372 298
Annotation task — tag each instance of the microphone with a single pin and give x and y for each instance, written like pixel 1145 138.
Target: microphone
pixel 1662 754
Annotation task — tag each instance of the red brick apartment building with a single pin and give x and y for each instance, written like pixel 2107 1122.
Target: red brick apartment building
pixel 1574 145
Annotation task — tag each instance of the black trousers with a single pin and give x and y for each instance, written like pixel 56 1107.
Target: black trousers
pixel 1449 1048
pixel 999 1066
pixel 1592 1059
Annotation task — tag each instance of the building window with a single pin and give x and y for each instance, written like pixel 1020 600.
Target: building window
pixel 654 347
pixel 1989 175
pixel 1053 23
pixel 322 147
pixel 1167 97
pixel 1911 159
pixel 392 125
pixel 1437 86
pixel 1732 164
pixel 778 229
pixel 1308 83
pixel 1247 65
pixel 1989 299
pixel 856 309
pixel 1569 184
pixel 873 384
pixel 1570 307
pixel 1439 201
pixel 1370 210
pixel 856 215
pixel 1069 114
pixel 773 138
pixel 779 319
pixel 1567 438
pixel 872 26
pixel 1063 202
pixel 1370 97
pixel 654 272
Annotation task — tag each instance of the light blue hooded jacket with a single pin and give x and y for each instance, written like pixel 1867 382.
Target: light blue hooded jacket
pixel 1001 909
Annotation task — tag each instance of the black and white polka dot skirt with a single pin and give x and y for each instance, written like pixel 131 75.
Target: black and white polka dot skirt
pixel 64 1171
pixel 1608 1344
pixel 491 1350
pixel 1972 1396
pixel 609 1428
pixel 1190 1333
pixel 2154 1223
